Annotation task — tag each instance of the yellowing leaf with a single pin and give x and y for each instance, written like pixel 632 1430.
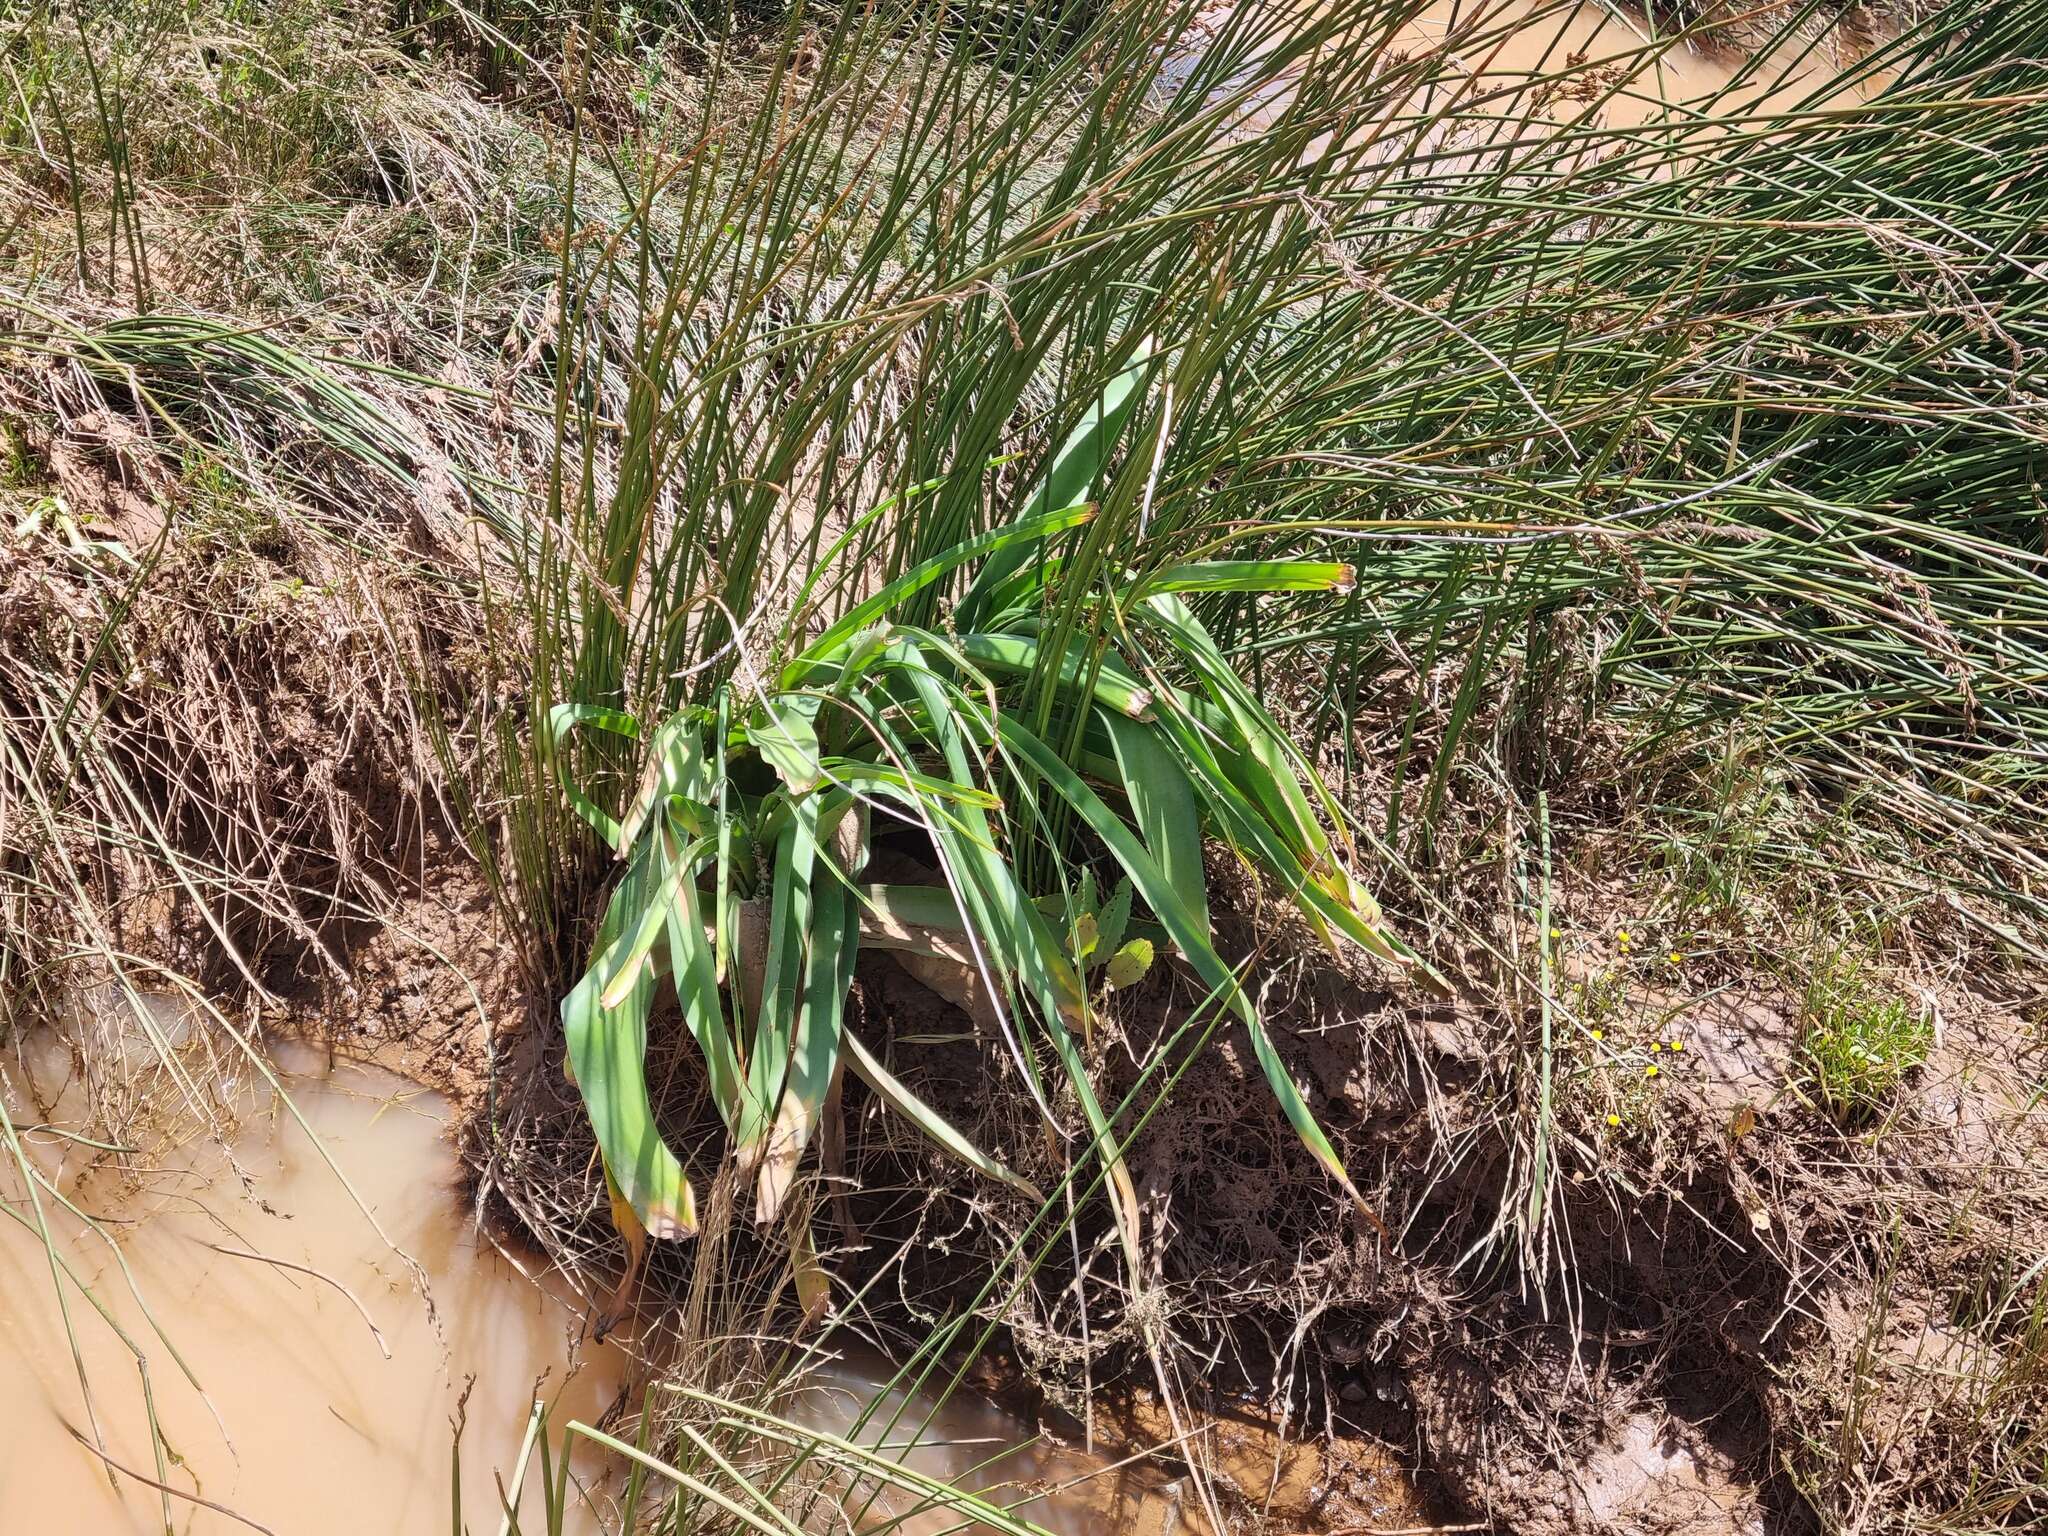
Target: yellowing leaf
pixel 1128 965
pixel 1086 936
pixel 813 1284
pixel 629 1228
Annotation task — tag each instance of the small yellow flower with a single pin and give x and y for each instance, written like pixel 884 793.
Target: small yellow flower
pixel 1599 1034
pixel 1678 1045
pixel 1622 934
pixel 1614 1119
pixel 1655 1047
pixel 1649 1071
pixel 1557 933
pixel 1677 958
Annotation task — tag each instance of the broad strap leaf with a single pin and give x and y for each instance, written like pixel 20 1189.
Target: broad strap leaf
pixel 1244 826
pixel 693 966
pixel 676 767
pixel 1163 802
pixel 563 720
pixel 1158 892
pixel 631 959
pixel 1115 686
pixel 814 1052
pixel 1070 475
pixel 1262 758
pixel 607 1055
pixel 789 921
pixel 1253 576
pixel 1016 538
pixel 784 731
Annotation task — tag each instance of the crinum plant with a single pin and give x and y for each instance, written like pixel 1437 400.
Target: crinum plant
pixel 1108 722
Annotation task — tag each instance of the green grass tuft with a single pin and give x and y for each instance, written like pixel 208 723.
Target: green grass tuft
pixel 1859 1040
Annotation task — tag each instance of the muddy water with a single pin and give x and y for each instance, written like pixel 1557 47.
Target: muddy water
pixel 311 1429
pixel 1500 44
pixel 1503 63
pixel 326 1386
pixel 973 1444
pixel 1348 1485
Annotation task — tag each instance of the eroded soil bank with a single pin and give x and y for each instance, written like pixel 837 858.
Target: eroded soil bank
pixel 1717 1295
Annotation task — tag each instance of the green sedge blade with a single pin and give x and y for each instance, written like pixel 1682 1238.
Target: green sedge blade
pixel 854 530
pixel 724 911
pixel 1246 829
pixel 973 869
pixel 1026 947
pixel 1258 749
pixel 564 718
pixel 1253 576
pixel 1159 894
pixel 928 1120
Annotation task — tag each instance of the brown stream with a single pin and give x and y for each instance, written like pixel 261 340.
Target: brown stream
pixel 1548 39
pixel 310 1429
pixel 1503 60
pixel 326 1386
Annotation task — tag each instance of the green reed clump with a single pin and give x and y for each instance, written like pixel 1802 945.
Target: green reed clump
pixel 769 793
pixel 926 256
pixel 1859 1038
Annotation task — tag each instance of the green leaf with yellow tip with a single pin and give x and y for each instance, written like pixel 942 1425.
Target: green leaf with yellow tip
pixel 607 1048
pixel 1254 576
